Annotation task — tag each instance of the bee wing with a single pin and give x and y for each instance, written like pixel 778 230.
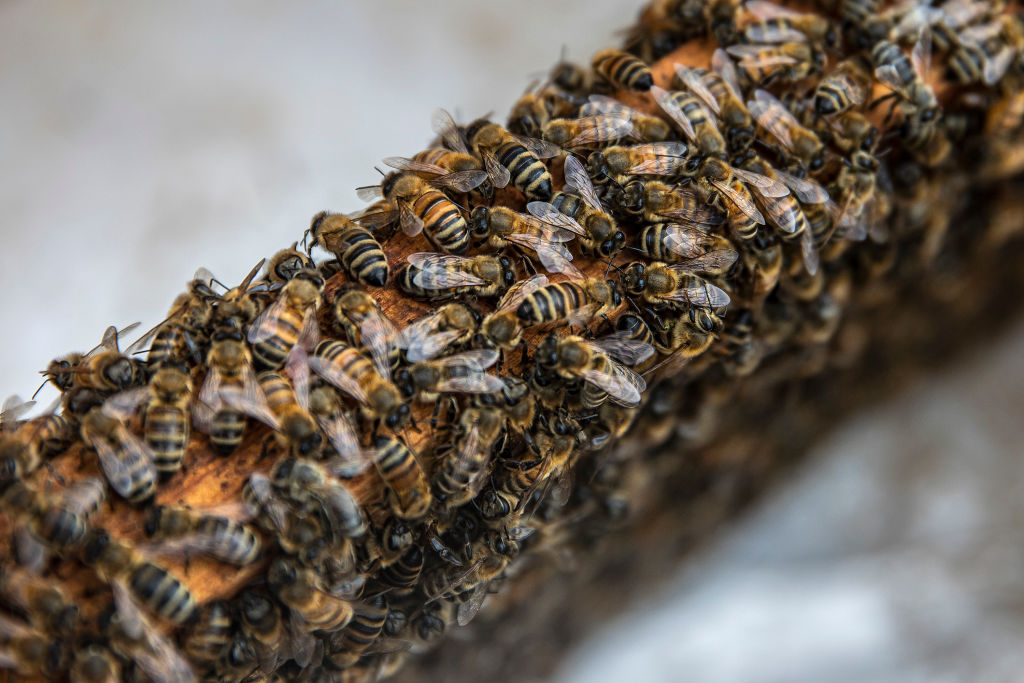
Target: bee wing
pixel 474 359
pixel 723 65
pixel 462 181
pixel 915 20
pixel 412 224
pixel 499 175
pixel 263 491
pixel 469 609
pixel 602 104
pixel 717 261
pixel 406 164
pixel 996 67
pixel 263 327
pixel 430 346
pixel 522 289
pixel 742 203
pixel 122 405
pixel 14 407
pixel 773 117
pixel 700 216
pixel 890 78
pixel 473 383
pixel 809 252
pixel 83 494
pixel 251 400
pixel 437 276
pixel 683 240
pixel 921 55
pixel 296 368
pixel 336 377
pixel 339 431
pixel 302 645
pixel 579 317
pixel 134 461
pixel 29 550
pixel 807 191
pixel 444 125
pixel 577 180
pixel 554 256
pixel 624 349
pixel 340 501
pixel 603 126
pixel 542 149
pixel 378 334
pixel 669 106
pixel 705 294
pixel 763 9
pixel 376 220
pixel 550 217
pixel 759 56
pixel 369 193
pixel 765 186
pixel 770 33
pixel 693 81
pixel 622 384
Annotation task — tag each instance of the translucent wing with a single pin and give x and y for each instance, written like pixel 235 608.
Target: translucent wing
pixel 251 400
pixel 603 104
pixel 809 252
pixel 756 56
pixel 577 180
pixel 552 216
pixel 624 349
pixel 922 54
pixel 698 215
pixel 334 375
pixel 469 609
pixel 122 405
pixel 622 384
pixel 717 261
pixel 405 164
pixel 412 224
pixel 441 271
pixel 369 193
pixel 519 291
pixel 14 407
pixel 767 187
pixel 693 81
pixel 771 33
pixel 700 293
pixel 339 431
pixel 462 181
pixel 997 65
pixel 807 191
pixel 542 149
pixel 475 359
pixel 378 334
pixel 683 240
pixel 124 466
pixel 159 658
pixel 722 65
pixel 83 495
pixel 763 9
pixel 668 105
pixel 499 175
pixel 602 127
pixel 889 77
pixel 444 125
pixel 744 204
pixel 772 116
pixel 265 325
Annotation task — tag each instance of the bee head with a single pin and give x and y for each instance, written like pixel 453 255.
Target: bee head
pixel 480 221
pixel 508 272
pixel 633 278
pixel 597 166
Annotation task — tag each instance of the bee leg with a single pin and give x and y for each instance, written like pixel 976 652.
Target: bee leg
pixel 55 474
pixel 265 448
pixel 433 415
pixel 523 355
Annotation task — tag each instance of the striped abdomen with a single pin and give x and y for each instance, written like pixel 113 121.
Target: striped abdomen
pixel 60 528
pixel 742 226
pixel 442 221
pixel 591 395
pixel 623 70
pixel 162 592
pixel 211 634
pixel 226 429
pixel 529 174
pixel 405 479
pixel 361 633
pixel 551 303
pixel 167 431
pixel 228 540
pixel 404 574
pixel 362 257
pixel 167 345
pixel 277 390
pixel 270 353
pixel 347 361
pixel 786 215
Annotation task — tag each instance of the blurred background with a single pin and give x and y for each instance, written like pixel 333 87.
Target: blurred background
pixel 142 141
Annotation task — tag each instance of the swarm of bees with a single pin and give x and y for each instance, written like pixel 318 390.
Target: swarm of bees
pixel 430 394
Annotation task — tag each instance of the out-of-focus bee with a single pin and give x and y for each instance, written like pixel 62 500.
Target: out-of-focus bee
pixel 297 431
pixel 210 636
pixel 778 24
pixel 622 70
pixel 842 88
pixel 646 128
pixel 575 301
pixel 310 486
pixel 501 328
pixel 511 158
pixel 402 576
pixel 395 538
pixel 596 130
pixel 463 462
pixel 450 325
pixel 347 369
pixel 179 529
pixel 673 286
pixel 544 234
pixel 766 63
pixel 536 107
pixel 39 599
pixel 289 322
pixel 152 585
pixel 362 632
pixel 667 159
pixel 699 251
pixel 106 368
pixel 720 19
pixel 654 201
pixel 126 460
pixel 380 217
pixel 354 246
pixel 985 52
pixel 230 393
pixel 262 622
pixel 728 186
pixel 179 338
pixel 408 491
pixel 581 203
pixel 908 77
pixel 24 446
pixel 424 208
pixel 463 372
pixel 1004 118
pixel 599 364
pixel 299 589
pixel 696 122
pixel 437 277
pixel 286 264
pixel 30 652
pixel 55 523
pixel 688 335
pixel 95 664
pixel 239 661
pixel 929 143
pixel 720 91
pixel 238 307
pixel 784 127
pixel 850 132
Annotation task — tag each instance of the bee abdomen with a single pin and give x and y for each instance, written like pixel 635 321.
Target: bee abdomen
pixel 404 574
pixel 443 221
pixel 529 174
pixel 364 259
pixel 549 303
pixel 226 430
pixel 163 593
pixel 230 541
pixel 167 432
pixel 623 70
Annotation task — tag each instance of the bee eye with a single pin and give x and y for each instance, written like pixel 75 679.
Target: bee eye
pixel 817 163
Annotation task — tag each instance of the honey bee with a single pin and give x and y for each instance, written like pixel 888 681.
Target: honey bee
pixel 908 78
pixel 778 24
pixel 30 652
pixel 599 364
pixel 289 322
pixel 238 307
pixel 326 408
pixel 24 446
pixel 239 661
pixel 511 158
pixel 654 201
pixel 363 631
pixel 347 369
pixel 842 88
pixel 768 63
pixel 536 107
pixel 354 246
pixel 469 175
pixel 720 19
pixel 44 604
pixel 297 430
pixel 672 286
pixel 501 328
pixel 575 301
pixel 181 529
pixel 580 202
pixel 727 185
pixel 286 264
pixel 668 159
pixel 462 372
pixel 849 132
pixel 210 635
pixel 408 492
pixel 596 130
pixel 261 621
pixel 545 232
pixel 699 251
pixel 179 338
pixel 152 585
pixel 95 664
pixel 688 335
pixel 646 128
pixel 299 589
pixel 424 208
pixel 402 576
pixel 230 393
pixel 622 70
pixel 720 91
pixel 984 52
pixel 696 122
pixel 58 524
pixel 126 460
pixel 310 486
pixel 106 368
pixel 464 461
pixel 450 325
pixel 438 277
pixel 784 127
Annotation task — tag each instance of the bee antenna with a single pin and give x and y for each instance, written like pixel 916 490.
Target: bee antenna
pixel 382 173
pixel 41 385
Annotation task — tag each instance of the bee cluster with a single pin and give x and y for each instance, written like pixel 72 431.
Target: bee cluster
pixel 320 470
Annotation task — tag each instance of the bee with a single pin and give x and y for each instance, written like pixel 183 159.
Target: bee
pixel 515 403
pixel 672 286
pixel 402 576
pixel 596 130
pixel 599 364
pixel 210 635
pixel 297 429
pixel 107 369
pixel 690 334
pixel 437 277
pixel 536 107
pixel 767 63
pixel 720 91
pixel 544 234
pixel 230 393
pixel 310 486
pixel 354 246
pixel 178 528
pixel 408 492
pixel 126 460
pixel 616 164
pixel 984 52
pixel 261 621
pixel 646 128
pixel 778 24
pixel 501 328
pixel 24 446
pixel 511 158
pixel 364 629
pixel 347 369
pixel 286 264
pixel 239 660
pixel 464 461
pixel 239 306
pixel 700 251
pixel 575 301
pixel 653 201
pixel 58 524
pixel 622 70
pixel 462 372
pixel 727 185
pixel 179 338
pixel 44 604
pixel 395 538
pixel 719 17
pixel 364 323
pixel 850 132
pixel 289 322
pixel 30 652
pixel 907 78
pixel 152 585
pixel 842 89
pixel 580 202
pixel 299 589
pixel 863 15
pixel 449 326
pixel 784 127
pixel 696 122
pixel 95 664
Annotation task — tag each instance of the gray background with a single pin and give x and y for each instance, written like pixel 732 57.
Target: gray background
pixel 140 141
